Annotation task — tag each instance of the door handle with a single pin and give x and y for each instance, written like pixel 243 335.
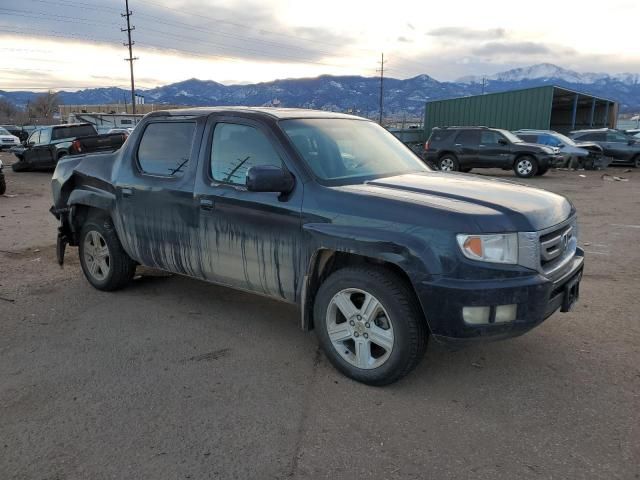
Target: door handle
pixel 206 204
pixel 127 192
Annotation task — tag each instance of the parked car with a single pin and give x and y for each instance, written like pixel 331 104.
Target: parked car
pixel 587 154
pixel 19 132
pixel 7 140
pixel 47 145
pixel 330 212
pixel 464 148
pixel 3 181
pixel 616 145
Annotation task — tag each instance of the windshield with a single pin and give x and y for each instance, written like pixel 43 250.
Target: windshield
pixel 564 139
pixel 4 131
pixel 350 151
pixel 511 137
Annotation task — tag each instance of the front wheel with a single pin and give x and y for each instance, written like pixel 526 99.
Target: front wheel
pixel 448 163
pixel 369 325
pixel 104 262
pixel 525 167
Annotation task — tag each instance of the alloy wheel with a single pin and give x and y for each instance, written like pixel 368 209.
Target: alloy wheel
pixel 96 255
pixel 359 328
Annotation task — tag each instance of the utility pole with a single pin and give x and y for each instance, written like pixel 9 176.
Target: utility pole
pixel 381 87
pixel 131 57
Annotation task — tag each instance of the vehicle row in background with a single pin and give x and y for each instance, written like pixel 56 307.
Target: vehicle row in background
pixel 7 139
pixel 621 148
pixel 21 132
pixel 464 148
pixel 47 145
pixel 587 155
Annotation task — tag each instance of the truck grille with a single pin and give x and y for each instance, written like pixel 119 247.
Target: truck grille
pixel 558 246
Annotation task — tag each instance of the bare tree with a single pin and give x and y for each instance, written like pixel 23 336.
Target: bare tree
pixel 46 104
pixel 7 110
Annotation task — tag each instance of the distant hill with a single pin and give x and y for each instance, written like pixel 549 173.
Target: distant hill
pixel 361 93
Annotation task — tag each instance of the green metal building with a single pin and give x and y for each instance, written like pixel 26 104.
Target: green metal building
pixel 547 108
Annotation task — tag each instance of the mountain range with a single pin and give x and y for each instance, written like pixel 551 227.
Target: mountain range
pixel 360 94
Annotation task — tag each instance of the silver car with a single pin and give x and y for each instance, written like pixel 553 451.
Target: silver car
pixel 572 154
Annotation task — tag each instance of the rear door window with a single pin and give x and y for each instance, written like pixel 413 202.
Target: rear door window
pixel 468 138
pixel 165 148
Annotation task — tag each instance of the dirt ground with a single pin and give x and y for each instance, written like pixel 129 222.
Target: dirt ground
pixel 175 378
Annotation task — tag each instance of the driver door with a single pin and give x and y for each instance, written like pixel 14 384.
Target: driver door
pixel 494 150
pixel 248 240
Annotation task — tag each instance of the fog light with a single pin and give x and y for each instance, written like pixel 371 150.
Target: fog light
pixel 506 313
pixel 476 315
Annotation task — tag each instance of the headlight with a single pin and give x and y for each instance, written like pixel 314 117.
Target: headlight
pixel 496 248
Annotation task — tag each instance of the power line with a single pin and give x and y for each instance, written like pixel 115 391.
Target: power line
pixel 131 58
pixel 381 70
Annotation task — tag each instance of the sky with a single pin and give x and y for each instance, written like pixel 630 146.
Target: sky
pixel 73 44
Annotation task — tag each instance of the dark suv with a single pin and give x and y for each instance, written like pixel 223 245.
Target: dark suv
pixel 614 143
pixel 464 148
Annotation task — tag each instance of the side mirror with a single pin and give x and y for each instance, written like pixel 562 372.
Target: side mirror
pixel 502 142
pixel 30 144
pixel 267 178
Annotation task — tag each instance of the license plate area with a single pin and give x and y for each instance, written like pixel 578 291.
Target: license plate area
pixel 571 293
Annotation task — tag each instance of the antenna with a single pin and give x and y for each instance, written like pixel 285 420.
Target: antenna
pixel 131 58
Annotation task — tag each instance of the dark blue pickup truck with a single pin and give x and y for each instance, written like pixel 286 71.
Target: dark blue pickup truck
pixel 329 212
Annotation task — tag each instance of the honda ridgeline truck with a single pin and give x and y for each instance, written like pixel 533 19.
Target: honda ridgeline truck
pixel 329 212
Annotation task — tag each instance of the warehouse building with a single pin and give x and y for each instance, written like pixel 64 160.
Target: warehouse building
pixel 545 108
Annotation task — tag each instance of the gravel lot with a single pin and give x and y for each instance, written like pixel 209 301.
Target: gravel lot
pixel 175 378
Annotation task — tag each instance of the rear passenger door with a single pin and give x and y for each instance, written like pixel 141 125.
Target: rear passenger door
pixel 466 144
pixel 157 219
pixel 248 240
pixel 494 150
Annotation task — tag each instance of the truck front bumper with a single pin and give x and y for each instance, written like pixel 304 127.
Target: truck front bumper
pixel 534 298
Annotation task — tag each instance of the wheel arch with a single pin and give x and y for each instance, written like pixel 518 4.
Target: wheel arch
pixel 325 261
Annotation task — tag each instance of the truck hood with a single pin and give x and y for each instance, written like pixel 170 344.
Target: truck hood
pixel 507 205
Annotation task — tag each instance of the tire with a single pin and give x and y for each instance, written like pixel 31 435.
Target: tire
pixel 448 163
pixel 636 161
pixel 525 166
pixel 393 342
pixel 104 262
pixel 20 166
pixel 542 171
pixel 3 184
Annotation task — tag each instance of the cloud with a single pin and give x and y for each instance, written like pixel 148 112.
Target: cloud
pixel 492 49
pixel 464 33
pixel 404 39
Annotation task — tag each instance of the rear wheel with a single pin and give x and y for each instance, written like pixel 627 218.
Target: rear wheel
pixel 525 166
pixel 636 161
pixel 448 163
pixel 369 324
pixel 104 262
